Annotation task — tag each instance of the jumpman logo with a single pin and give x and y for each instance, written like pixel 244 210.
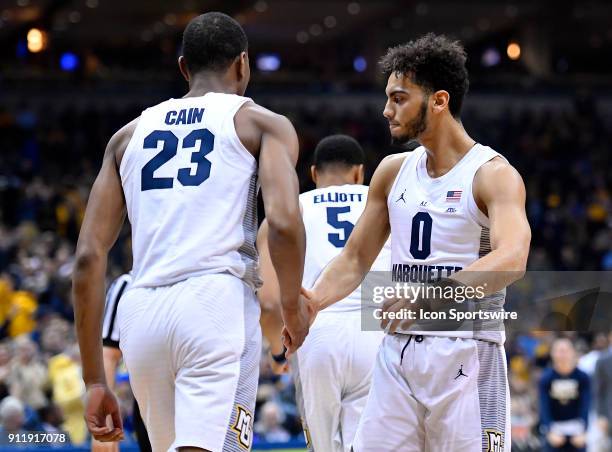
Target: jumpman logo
pixel 460 372
pixel 401 197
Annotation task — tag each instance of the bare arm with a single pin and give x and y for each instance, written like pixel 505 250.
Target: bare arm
pixel 345 272
pixel 269 294
pixel 104 217
pixel 111 357
pixel 500 193
pixel 102 223
pixel 280 190
pixel 273 138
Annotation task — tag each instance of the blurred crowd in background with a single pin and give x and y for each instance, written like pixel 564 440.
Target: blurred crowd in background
pixel 49 157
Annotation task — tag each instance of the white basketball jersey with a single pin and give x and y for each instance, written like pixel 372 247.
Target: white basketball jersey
pixel 190 188
pixel 329 215
pixel 437 227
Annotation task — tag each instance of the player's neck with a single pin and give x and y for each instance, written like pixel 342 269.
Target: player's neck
pixel 332 180
pixel 446 144
pixel 204 83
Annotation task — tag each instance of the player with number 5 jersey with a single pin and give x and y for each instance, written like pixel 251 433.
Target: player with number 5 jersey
pixel 333 369
pixel 187 172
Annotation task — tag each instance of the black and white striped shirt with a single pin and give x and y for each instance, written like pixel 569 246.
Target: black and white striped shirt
pixel 110 330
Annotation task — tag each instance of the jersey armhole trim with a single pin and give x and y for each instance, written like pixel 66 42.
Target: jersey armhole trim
pixel 477 215
pixel 130 145
pixel 232 134
pixel 407 157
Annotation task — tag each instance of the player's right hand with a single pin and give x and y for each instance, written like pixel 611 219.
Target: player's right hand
pixel 101 402
pixel 312 302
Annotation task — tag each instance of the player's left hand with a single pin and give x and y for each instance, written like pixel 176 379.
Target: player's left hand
pixel 393 307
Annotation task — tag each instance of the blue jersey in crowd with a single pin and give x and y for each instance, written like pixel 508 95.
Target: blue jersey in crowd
pixel 564 397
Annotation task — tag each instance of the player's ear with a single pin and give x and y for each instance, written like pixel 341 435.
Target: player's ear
pixel 360 175
pixel 313 173
pixel 440 101
pixel 243 69
pixel 183 68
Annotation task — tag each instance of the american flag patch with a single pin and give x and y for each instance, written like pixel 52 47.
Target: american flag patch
pixel 453 196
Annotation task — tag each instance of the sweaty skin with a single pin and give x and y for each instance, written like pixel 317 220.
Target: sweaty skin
pixel 272 140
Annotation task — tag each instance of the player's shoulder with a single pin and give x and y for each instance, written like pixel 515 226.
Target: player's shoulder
pixel 252 112
pixel 393 162
pixel 387 171
pixel 252 120
pixel 497 173
pixel 120 139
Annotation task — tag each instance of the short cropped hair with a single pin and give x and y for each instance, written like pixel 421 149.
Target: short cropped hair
pixel 338 150
pixel 212 41
pixel 433 62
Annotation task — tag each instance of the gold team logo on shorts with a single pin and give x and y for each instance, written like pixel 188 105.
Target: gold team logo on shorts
pixel 243 427
pixel 495 442
pixel 306 435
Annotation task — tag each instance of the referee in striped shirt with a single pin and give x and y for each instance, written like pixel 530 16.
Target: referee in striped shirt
pixel 112 356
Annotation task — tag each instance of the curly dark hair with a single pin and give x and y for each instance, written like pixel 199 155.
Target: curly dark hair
pixel 211 41
pixel 434 62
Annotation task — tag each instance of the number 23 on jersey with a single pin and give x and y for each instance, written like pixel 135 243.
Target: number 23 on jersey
pixel 170 145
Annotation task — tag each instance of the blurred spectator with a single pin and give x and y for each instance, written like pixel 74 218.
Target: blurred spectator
pixel 596 438
pixel 524 417
pixel 269 427
pixel 603 393
pixel 12 415
pixel 5 361
pixel 17 309
pixel 51 418
pixel 565 396
pixel 28 375
pixel 51 422
pixel 68 392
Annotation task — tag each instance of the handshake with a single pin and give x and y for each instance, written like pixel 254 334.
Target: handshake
pixel 297 321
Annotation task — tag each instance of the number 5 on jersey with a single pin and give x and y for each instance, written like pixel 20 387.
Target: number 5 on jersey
pixel 346 226
pixel 169 149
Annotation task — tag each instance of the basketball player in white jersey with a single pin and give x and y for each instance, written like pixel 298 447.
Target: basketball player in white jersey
pixel 454 208
pixel 333 369
pixel 187 171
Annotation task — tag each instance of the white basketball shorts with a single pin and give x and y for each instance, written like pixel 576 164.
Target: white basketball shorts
pixel 332 372
pixel 436 394
pixel 192 350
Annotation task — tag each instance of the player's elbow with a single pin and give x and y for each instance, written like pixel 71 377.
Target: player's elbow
pixel 86 258
pixel 517 260
pixel 285 222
